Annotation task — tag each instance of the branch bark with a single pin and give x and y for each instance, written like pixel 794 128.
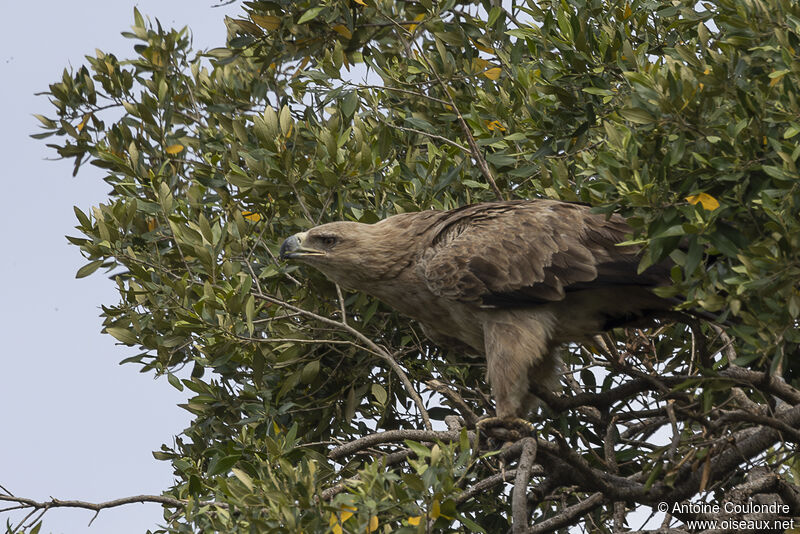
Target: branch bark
pixel 44 506
pixel 519 499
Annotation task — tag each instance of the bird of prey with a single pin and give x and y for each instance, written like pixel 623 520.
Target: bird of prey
pixel 509 280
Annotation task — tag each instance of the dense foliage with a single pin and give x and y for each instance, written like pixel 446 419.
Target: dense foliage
pixel 318 411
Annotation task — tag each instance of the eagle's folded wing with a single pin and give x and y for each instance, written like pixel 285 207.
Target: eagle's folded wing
pixel 518 253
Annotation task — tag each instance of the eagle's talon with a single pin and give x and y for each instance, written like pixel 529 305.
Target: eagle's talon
pixel 510 428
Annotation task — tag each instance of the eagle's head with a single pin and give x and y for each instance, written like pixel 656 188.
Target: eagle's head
pixel 349 253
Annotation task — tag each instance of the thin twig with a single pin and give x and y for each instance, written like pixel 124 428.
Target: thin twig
pixel 375 348
pixel 428 134
pixel 473 146
pixel 341 304
pixel 676 435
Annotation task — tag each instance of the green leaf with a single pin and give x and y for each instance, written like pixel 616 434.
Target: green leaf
pixel 420 450
pixel 222 464
pixel 175 381
pixel 470 524
pixel 311 14
pixel 638 116
pixel 122 334
pixel 88 269
pixel 379 393
pixel 598 91
pixel 250 313
pixel 243 477
pixel 474 185
pixel 310 372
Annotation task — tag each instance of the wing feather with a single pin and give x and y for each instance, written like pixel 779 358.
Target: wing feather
pixel 528 251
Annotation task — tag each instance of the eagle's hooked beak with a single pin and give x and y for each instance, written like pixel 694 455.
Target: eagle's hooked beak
pixel 293 248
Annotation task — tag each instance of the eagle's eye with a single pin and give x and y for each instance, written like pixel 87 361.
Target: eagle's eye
pixel 328 240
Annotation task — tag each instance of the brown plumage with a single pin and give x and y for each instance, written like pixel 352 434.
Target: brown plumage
pixel 510 280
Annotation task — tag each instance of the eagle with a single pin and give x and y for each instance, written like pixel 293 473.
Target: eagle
pixel 509 280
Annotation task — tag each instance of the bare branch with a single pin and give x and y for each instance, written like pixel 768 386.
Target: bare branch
pixel 394 436
pixel 567 516
pixel 519 499
pixel 470 418
pixel 486 483
pixel 341 304
pixel 44 506
pixel 60 503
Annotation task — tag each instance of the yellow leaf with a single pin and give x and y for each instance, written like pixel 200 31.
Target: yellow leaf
pixel 173 149
pixel 776 79
pixel 268 22
pixel 481 47
pixel 342 30
pixel 412 27
pixel 346 513
pixel 414 521
pixel 251 216
pixel 707 201
pixel 360 2
pixel 495 125
pixel 479 63
pixel 373 524
pixel 301 66
pixel 84 121
pixel 336 524
pixel 628 11
pixel 436 510
pixel 493 73
pixel 151 224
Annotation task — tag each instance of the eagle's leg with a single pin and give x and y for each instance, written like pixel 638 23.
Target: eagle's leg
pixel 517 350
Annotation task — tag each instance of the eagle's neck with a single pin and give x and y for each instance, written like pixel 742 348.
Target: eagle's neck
pixel 392 246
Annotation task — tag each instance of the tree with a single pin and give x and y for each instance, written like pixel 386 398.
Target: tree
pixel 317 410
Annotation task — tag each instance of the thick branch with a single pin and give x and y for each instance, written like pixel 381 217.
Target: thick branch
pixel 470 418
pixel 771 384
pixel 746 444
pixel 519 500
pixel 567 516
pixel 486 483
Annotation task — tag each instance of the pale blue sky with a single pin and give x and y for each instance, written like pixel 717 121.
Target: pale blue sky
pixel 75 424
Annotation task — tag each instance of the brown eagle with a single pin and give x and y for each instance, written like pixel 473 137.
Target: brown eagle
pixel 509 280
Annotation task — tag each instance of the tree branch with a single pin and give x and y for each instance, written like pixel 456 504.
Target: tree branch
pixel 393 436
pixel 567 516
pixel 44 506
pixel 374 347
pixel 519 499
